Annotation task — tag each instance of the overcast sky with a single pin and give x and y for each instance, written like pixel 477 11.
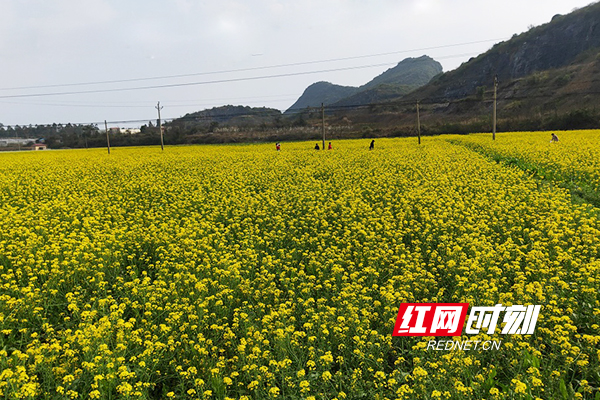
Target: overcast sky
pixel 52 46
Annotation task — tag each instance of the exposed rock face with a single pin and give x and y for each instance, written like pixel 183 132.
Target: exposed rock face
pixel 553 45
pixel 409 72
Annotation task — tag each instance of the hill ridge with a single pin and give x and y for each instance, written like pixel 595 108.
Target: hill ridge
pixel 407 75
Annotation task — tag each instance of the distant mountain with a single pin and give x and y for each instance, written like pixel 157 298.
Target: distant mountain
pixel 322 92
pixel 229 115
pixel 376 94
pixel 408 75
pixel 409 72
pixel 549 78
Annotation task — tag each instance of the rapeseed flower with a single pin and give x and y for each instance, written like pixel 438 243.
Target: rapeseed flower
pixel 230 271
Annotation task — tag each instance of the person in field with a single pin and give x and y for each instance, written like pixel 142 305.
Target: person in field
pixel 553 138
pixel 278 146
pixel 329 147
pixel 317 147
pixel 372 145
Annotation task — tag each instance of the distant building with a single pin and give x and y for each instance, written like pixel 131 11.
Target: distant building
pixel 5 142
pixel 129 131
pixel 132 131
pixel 39 146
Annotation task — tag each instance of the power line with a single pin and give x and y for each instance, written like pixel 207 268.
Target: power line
pixel 330 108
pixel 177 103
pixel 209 102
pixel 372 106
pixel 250 69
pixel 195 83
pixel 206 82
pixel 258 68
pixel 83 105
pixel 333 108
pixel 73 105
pixel 181 84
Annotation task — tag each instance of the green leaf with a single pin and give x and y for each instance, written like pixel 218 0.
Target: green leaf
pixel 563 389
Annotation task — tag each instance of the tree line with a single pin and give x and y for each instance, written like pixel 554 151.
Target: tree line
pixel 383 120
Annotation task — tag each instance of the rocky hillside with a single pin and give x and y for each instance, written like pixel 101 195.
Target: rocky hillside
pixel 377 94
pixel 228 116
pixel 556 44
pixel 408 72
pixel 408 75
pixel 549 79
pixel 322 92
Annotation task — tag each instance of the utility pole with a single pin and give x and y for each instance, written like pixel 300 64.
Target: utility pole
pixel 107 139
pixel 494 115
pixel 162 144
pixel 418 123
pixel 323 123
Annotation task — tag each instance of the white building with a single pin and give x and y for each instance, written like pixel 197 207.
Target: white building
pixel 129 131
pixel 5 142
pixel 39 146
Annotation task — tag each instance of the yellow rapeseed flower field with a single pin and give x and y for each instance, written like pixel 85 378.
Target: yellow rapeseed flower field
pixel 572 161
pixel 239 272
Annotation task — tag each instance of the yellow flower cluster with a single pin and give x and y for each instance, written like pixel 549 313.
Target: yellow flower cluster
pixel 240 272
pixel 573 160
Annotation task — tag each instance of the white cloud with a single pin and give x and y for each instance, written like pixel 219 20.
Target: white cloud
pixel 424 7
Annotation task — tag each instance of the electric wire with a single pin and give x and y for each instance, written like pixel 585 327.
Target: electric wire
pixel 251 68
pixel 373 107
